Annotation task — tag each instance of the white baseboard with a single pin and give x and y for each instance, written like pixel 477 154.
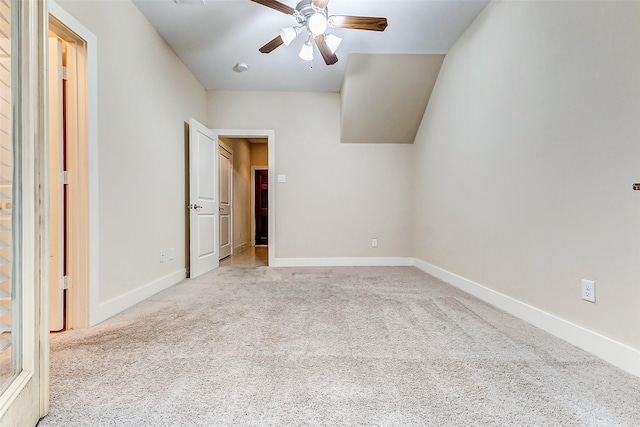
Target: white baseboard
pixel 119 304
pixel 344 262
pixel 614 352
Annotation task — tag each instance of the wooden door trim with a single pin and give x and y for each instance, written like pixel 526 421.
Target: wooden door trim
pixel 83 302
pixel 229 150
pixel 253 201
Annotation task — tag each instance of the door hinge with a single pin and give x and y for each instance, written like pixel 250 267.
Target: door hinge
pixel 64 73
pixel 64 282
pixel 65 178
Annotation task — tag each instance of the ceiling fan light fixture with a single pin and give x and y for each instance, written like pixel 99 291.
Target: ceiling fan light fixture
pixel 288 35
pixel 313 17
pixel 306 52
pixel 333 42
pixel 317 23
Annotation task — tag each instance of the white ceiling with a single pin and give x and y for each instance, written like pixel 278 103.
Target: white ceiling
pixel 212 38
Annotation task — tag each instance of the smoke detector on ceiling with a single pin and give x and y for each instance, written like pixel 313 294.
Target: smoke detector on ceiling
pixel 240 67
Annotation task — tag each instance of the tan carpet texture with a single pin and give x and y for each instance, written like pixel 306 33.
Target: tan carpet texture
pixel 371 346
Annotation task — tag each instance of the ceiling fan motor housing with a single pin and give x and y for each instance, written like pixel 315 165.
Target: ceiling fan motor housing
pixel 305 9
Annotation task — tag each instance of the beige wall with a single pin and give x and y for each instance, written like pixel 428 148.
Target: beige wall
pixel 337 196
pixel 145 95
pixel 526 156
pixel 259 154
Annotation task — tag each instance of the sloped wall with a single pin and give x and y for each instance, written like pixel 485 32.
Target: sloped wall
pixel 526 157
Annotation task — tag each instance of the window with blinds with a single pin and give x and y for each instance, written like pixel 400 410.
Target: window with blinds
pixel 7 367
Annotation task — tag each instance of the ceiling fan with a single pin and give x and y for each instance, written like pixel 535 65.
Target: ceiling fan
pixel 313 18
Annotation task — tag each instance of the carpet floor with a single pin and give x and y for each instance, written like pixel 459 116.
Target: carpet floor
pixel 381 346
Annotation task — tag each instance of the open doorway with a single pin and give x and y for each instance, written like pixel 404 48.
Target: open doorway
pixel 250 154
pixel 260 205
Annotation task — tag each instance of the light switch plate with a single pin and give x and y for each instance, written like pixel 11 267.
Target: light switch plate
pixel 282 178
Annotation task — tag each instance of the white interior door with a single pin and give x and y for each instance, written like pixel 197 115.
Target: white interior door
pixel 203 199
pixel 56 190
pixel 226 199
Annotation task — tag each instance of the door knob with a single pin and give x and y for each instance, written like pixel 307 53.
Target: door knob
pixel 194 206
pixel 220 209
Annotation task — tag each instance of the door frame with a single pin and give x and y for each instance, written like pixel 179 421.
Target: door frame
pixel 253 201
pixel 271 148
pixel 82 302
pixel 26 396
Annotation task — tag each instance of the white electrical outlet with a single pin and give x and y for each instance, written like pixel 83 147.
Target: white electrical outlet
pixel 374 243
pixel 172 253
pixel 162 255
pixel 589 290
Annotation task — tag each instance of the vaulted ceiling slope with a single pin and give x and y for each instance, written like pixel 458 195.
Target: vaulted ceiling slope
pixel 212 36
pixel 383 97
pixel 389 75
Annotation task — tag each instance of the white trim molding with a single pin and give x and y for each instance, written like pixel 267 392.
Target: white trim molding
pixel 614 352
pixel 344 262
pixel 119 304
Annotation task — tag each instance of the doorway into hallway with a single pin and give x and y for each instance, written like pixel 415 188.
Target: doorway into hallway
pixel 251 256
pixel 250 155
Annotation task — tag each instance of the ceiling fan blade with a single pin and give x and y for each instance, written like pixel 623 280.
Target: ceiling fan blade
pixel 269 47
pixel 358 22
pixel 320 4
pixel 275 4
pixel 329 57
